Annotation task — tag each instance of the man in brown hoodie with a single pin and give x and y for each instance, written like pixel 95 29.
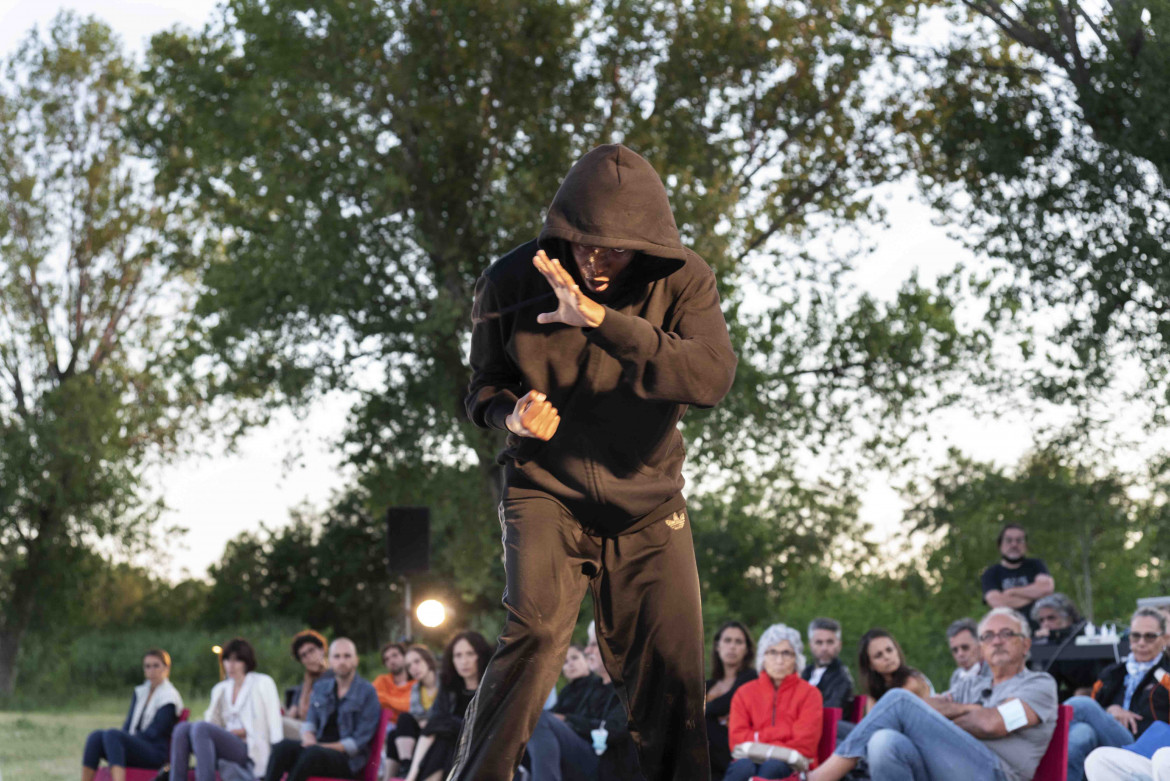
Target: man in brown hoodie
pixel 588 345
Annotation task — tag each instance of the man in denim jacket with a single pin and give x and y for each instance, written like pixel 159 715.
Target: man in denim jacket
pixel 342 719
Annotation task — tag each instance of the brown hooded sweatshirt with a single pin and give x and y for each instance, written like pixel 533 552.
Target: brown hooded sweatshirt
pixel 615 462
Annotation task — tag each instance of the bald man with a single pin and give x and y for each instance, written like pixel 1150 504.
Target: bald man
pixel 339 727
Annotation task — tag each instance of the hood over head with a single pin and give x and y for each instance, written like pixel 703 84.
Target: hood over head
pixel 613 198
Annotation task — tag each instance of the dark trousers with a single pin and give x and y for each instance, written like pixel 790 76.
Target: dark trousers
pixel 557 753
pixel 407 727
pixel 645 588
pixel 744 769
pixel 121 749
pixel 301 762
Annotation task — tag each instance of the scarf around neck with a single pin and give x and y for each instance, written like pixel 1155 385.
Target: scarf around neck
pixel 147 705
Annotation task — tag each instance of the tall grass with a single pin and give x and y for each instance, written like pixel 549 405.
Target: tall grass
pixel 47 745
pixel 57 673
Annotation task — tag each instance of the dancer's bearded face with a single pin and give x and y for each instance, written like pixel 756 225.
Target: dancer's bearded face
pixel 600 267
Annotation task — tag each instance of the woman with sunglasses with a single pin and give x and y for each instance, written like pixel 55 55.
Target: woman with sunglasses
pixel 146 733
pixel 1129 697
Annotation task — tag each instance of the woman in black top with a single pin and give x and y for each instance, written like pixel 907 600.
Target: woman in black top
pixel 731 667
pixel 464 660
pixel 576 701
pixel 883 667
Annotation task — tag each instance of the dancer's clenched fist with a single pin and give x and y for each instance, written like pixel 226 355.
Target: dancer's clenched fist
pixel 534 417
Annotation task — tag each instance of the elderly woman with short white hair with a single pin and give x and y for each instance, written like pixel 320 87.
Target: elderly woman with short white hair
pixel 775 723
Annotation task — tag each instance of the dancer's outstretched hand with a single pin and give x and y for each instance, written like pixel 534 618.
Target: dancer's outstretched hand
pixel 573 306
pixel 534 417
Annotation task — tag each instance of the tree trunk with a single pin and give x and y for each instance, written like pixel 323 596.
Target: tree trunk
pixel 1087 571
pixel 9 650
pixel 16 615
pixel 13 624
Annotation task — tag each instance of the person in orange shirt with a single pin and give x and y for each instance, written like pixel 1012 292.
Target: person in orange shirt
pixel 394 687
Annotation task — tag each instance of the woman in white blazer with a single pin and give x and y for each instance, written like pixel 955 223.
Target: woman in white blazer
pixel 241 724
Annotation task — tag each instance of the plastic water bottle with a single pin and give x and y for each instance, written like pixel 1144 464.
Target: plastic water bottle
pixel 600 736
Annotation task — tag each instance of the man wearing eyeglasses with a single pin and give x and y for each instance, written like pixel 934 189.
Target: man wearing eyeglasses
pixel 994 727
pixel 1129 697
pixel 588 345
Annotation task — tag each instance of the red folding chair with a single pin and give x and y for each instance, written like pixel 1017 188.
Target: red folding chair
pixel 140 773
pixel 1054 764
pixel 828 739
pixel 829 734
pixel 376 746
pixel 859 708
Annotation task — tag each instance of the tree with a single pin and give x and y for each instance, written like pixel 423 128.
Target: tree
pixel 1085 526
pixel 92 303
pixel 328 570
pixel 1044 135
pixel 370 158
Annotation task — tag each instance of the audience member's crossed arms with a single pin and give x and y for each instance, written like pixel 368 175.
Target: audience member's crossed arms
pixel 986 722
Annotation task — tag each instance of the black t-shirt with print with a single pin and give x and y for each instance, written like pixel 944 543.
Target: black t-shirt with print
pixel 997 577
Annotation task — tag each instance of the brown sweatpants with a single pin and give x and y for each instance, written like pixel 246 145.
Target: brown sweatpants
pixel 645 589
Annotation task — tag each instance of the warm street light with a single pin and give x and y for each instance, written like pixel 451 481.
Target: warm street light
pixel 431 613
pixel 215 649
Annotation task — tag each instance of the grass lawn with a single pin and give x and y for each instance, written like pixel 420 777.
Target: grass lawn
pixel 43 745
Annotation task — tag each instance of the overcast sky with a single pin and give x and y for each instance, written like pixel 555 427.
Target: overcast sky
pixel 219 495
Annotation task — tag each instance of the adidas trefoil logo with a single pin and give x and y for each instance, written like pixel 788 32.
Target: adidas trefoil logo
pixel 677 521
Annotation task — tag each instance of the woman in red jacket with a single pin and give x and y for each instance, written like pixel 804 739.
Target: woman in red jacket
pixel 775 722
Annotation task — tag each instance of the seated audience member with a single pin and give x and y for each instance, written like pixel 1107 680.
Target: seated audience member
pixel 1128 698
pixel 619 758
pixel 827 673
pixel 1015 581
pixel 995 727
pixel 143 739
pixel 339 726
pixel 731 667
pixel 776 720
pixel 1060 623
pixel 561 745
pixel 883 667
pixel 464 660
pixel 1120 764
pixel 964 643
pixel 1057 617
pixel 420 663
pixel 240 726
pixel 308 648
pixel 395 685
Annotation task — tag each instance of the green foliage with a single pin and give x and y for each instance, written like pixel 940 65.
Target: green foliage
pixel 73 669
pixel 119 595
pixel 892 601
pixel 753 541
pixel 1044 133
pixel 369 159
pixel 329 571
pixel 1087 528
pixel 92 301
